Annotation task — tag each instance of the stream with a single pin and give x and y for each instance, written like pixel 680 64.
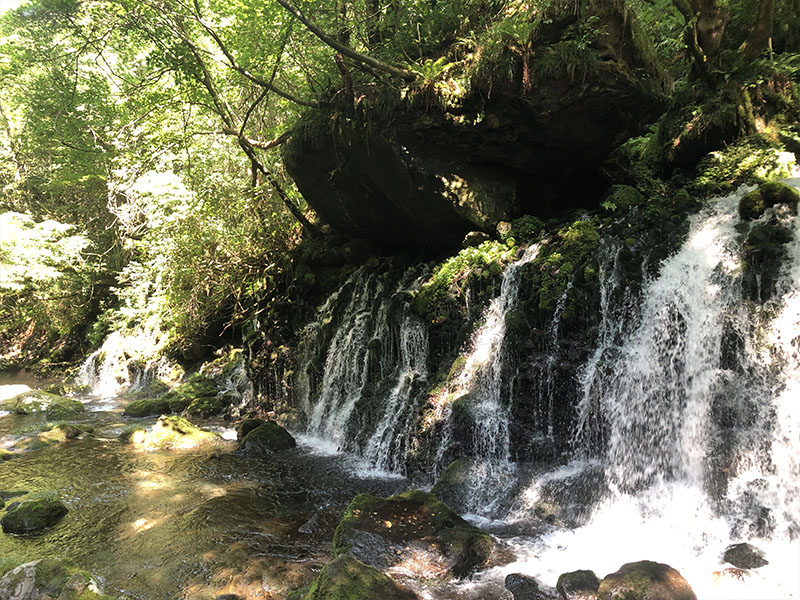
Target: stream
pixel 181 523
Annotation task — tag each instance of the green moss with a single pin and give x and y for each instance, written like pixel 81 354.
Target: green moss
pixel 346 578
pixel 753 205
pixel 56 579
pixel 6 454
pixel 245 426
pixel 127 433
pixel 752 159
pixel 56 407
pixel 268 436
pixel 205 406
pixel 578 244
pixel 147 407
pixel 172 432
pixel 33 514
pixel 431 301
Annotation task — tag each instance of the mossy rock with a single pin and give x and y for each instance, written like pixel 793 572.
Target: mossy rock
pixel 753 205
pixel 176 401
pixel 49 578
pixel 346 578
pixel 384 532
pixel 578 585
pixel 56 407
pixel 207 406
pixel 147 407
pixel 645 580
pixel 622 198
pixel 172 433
pixel 267 437
pixel 31 515
pixel 455 479
pixel 7 454
pixel 127 433
pixel 245 426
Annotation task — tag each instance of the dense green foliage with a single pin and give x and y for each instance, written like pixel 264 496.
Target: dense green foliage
pixel 139 180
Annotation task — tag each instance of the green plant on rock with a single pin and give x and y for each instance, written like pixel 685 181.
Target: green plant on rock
pixel 449 276
pixel 753 159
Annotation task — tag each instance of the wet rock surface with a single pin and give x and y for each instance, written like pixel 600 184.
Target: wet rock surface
pixel 414 530
pixel 578 585
pixel 745 556
pixel 32 515
pixel 645 580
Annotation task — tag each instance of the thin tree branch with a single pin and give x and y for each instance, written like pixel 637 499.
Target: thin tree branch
pixel 403 74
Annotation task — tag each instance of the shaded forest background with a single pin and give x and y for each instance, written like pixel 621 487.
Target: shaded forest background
pixel 142 180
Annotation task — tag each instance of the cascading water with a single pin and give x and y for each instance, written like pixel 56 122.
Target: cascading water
pixel 124 362
pixel 374 368
pixel 481 384
pixel 690 411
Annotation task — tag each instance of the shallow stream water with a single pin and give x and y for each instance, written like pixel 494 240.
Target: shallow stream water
pixel 182 524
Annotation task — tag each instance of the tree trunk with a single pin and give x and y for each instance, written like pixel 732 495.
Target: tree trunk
pixel 761 34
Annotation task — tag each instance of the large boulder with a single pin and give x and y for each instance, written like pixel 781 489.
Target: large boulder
pixel 49 579
pixel 412 529
pixel 346 578
pixel 578 585
pixel 753 205
pixel 426 174
pixel 56 408
pixel 267 437
pixel 645 580
pixel 33 514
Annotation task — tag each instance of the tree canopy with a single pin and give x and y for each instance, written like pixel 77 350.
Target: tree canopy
pixel 138 137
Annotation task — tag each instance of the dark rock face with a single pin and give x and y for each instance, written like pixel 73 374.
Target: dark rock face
pixel 33 515
pixel 424 177
pixel 347 578
pixel 414 527
pixel 578 585
pixel 645 580
pixel 745 556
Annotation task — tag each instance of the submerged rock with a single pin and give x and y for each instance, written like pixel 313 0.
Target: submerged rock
pixel 60 433
pixel 744 556
pixel 267 437
pixel 578 585
pixel 6 454
pixel 753 205
pixel 346 578
pixel 32 515
pixel 171 432
pixel 49 579
pixel 57 408
pixel 645 580
pixel 413 530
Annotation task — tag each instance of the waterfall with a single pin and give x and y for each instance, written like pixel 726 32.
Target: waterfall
pixel 689 415
pixel 373 366
pixel 480 386
pixel 125 361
